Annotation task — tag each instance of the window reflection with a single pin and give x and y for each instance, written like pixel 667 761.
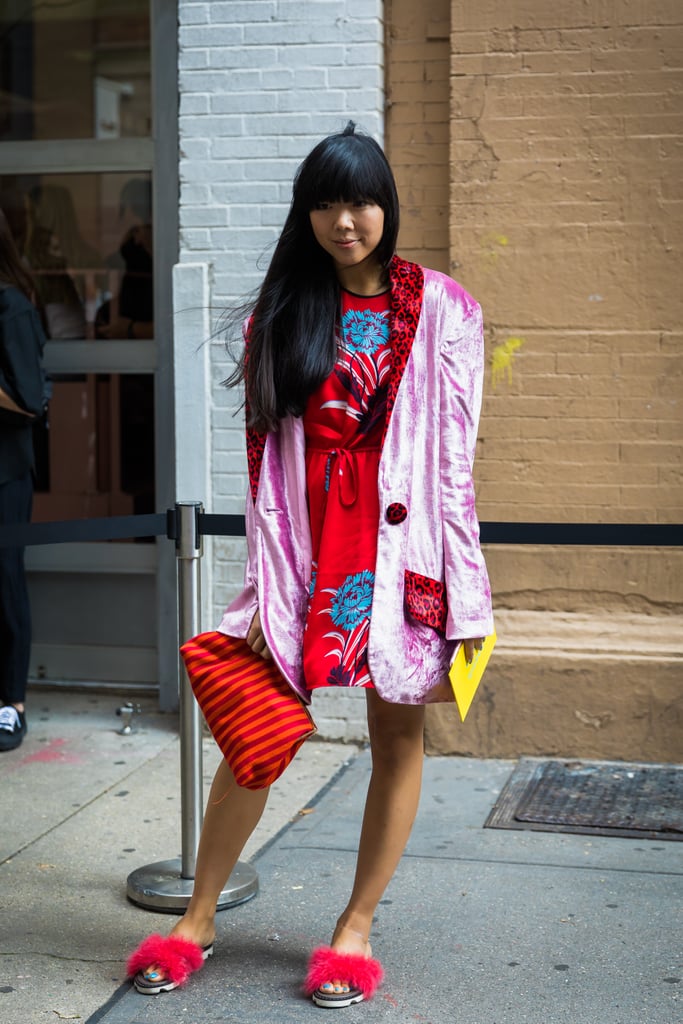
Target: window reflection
pixel 96 458
pixel 74 69
pixel 88 240
pixel 129 311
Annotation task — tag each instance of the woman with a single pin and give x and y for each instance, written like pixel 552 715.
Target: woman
pixel 363 378
pixel 21 400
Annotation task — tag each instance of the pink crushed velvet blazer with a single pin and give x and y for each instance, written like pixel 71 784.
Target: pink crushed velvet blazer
pixel 431 585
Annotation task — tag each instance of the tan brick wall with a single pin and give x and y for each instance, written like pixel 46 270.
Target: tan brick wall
pixel 417 124
pixel 565 128
pixel 565 132
pixel 566 169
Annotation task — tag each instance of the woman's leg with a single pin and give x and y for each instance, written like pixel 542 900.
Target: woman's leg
pixel 397 747
pixel 232 814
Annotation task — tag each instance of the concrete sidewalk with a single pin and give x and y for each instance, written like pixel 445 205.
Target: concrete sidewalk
pixel 478 926
pixel 81 807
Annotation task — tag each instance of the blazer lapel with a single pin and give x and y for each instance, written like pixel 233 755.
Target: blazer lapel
pixel 256 445
pixel 407 290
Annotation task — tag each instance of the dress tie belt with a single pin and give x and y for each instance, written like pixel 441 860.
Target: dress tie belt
pixel 345 463
pixel 346 470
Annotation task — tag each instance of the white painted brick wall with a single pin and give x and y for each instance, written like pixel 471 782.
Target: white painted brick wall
pixel 261 81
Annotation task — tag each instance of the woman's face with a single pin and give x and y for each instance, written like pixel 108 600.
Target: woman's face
pixel 349 231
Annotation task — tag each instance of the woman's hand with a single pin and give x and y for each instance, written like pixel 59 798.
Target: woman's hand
pixel 8 403
pixel 471 646
pixel 256 639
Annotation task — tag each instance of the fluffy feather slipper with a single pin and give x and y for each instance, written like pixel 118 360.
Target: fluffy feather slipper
pixel 176 959
pixel 362 974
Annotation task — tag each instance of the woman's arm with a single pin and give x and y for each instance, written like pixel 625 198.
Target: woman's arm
pixel 21 348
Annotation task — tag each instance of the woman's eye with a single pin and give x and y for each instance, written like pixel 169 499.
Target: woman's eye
pixel 322 206
pixel 359 203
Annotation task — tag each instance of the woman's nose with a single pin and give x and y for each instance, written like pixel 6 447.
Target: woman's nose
pixel 344 218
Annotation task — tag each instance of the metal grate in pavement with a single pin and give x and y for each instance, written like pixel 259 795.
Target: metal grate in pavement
pixel 593 798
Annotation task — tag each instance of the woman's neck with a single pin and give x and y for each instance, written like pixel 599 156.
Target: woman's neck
pixel 364 279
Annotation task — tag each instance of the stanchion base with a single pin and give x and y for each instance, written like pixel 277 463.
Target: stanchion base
pixel 160 887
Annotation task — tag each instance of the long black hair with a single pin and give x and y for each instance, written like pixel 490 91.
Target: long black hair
pixel 291 343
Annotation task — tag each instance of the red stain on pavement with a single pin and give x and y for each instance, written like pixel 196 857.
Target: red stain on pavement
pixel 52 753
pixel 389 999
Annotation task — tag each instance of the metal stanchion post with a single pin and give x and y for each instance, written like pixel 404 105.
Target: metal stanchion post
pixel 189 554
pixel 167 885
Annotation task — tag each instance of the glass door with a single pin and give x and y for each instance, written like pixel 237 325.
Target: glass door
pixel 77 185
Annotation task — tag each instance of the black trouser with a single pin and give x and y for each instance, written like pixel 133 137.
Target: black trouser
pixel 15 611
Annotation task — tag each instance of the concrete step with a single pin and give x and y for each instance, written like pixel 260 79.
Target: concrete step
pixel 574 685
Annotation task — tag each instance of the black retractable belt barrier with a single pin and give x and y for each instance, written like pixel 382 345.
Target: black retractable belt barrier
pixel 165 524
pixel 20 535
pixel 593 534
pixel 221 525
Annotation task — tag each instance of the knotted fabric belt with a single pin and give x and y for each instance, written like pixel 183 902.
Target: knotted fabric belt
pixel 344 462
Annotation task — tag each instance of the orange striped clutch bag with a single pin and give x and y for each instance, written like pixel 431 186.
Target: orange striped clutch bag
pixel 255 717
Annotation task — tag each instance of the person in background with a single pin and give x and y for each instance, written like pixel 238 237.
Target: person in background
pixel 22 395
pixel 130 315
pixel 58 257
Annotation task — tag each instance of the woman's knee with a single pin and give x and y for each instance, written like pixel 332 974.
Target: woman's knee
pixel 395 730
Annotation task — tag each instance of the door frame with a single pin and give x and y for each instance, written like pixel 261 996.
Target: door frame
pixel 159 156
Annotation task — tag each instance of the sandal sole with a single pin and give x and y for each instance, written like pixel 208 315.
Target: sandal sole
pixel 332 1002
pixel 145 988
pixel 153 990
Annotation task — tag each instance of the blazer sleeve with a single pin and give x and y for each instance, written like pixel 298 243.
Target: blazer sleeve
pixel 237 617
pixel 461 384
pixel 251 566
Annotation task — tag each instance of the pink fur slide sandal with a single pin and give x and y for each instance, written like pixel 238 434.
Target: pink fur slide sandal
pixel 173 958
pixel 359 975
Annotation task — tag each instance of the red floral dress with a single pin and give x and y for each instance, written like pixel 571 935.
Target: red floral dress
pixel 343 424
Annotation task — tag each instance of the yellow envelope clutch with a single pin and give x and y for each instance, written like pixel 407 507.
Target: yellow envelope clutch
pixel 466 678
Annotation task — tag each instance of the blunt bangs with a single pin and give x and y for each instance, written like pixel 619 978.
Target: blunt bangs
pixel 341 173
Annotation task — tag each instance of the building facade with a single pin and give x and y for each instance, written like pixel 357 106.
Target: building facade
pixel 537 150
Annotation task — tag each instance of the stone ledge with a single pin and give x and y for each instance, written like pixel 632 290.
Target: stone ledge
pixel 589 686
pixel 566 634
pixel 340 715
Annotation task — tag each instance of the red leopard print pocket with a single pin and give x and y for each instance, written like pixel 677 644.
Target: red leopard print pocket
pixel 425 600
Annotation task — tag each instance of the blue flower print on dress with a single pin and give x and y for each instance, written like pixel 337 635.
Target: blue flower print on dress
pixel 364 330
pixel 353 600
pixel 340 676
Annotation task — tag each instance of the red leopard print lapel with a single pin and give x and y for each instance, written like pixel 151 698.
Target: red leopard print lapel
pixel 407 288
pixel 256 445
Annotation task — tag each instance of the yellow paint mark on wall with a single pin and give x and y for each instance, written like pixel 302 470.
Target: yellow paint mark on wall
pixel 491 245
pixel 501 360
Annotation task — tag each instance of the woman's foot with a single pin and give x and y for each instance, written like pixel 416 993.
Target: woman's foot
pixel 343 973
pixel 13 726
pixel 162 963
pixel 345 940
